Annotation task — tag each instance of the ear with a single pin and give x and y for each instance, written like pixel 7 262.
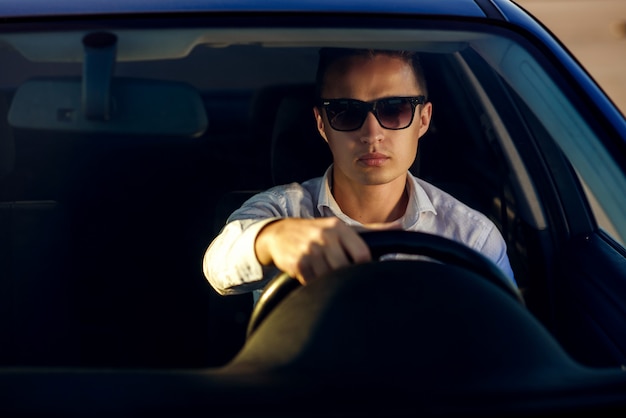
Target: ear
pixel 319 120
pixel 425 116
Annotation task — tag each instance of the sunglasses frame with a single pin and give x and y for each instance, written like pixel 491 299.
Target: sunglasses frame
pixel 370 107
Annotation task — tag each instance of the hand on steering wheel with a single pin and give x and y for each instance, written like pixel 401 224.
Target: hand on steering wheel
pixel 394 242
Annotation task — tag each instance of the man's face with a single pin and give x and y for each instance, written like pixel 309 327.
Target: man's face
pixel 372 155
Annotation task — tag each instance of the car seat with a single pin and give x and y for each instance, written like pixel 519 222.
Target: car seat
pixel 287 128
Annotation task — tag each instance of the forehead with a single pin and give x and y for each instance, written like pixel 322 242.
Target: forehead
pixel 369 77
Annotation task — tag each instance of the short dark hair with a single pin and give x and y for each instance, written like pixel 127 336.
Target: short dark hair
pixel 329 56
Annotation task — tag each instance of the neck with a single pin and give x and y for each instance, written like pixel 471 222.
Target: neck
pixel 368 204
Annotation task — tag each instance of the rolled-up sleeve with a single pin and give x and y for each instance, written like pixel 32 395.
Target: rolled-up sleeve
pixel 230 263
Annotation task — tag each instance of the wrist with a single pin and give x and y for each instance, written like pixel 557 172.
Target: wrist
pixel 262 244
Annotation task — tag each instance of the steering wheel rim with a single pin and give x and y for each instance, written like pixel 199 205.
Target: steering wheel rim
pixel 393 242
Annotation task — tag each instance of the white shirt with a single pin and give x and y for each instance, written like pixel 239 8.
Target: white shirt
pixel 230 262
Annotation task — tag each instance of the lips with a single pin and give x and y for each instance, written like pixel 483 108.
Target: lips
pixel 373 159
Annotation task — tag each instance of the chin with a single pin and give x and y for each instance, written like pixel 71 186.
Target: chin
pixel 380 177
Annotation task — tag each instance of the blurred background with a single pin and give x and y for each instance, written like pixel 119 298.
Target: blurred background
pixel 595 32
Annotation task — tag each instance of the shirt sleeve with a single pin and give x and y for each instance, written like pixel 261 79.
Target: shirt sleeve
pixel 230 263
pixel 495 249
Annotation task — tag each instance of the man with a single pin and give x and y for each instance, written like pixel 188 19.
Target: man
pixel 372 112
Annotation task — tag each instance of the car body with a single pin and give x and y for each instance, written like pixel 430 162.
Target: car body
pixel 130 130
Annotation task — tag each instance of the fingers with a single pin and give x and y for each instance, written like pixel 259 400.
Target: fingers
pixel 332 246
pixel 355 248
pixel 310 248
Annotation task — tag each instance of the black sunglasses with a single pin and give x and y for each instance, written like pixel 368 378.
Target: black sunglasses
pixel 391 113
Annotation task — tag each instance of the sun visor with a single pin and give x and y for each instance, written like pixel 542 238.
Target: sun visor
pixel 99 102
pixel 142 107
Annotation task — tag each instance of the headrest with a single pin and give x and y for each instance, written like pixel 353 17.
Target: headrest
pixel 298 151
pixel 7 143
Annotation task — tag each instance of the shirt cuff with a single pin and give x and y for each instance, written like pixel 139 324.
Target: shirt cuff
pixel 249 268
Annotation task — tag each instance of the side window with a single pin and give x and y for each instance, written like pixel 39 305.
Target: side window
pixel 559 122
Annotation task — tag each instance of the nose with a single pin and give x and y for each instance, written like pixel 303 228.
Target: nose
pixel 371 131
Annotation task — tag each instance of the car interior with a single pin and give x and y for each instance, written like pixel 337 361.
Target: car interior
pixel 102 232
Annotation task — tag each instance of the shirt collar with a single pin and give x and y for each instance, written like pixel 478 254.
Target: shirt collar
pixel 419 202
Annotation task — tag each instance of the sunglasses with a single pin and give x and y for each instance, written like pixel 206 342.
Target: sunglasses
pixel 391 113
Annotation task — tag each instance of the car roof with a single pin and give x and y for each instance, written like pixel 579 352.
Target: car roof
pixel 41 8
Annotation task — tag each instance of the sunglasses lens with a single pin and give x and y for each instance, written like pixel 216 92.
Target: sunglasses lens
pixel 346 116
pixel 394 113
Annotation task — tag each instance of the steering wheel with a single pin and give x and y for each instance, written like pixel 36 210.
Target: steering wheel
pixel 394 242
